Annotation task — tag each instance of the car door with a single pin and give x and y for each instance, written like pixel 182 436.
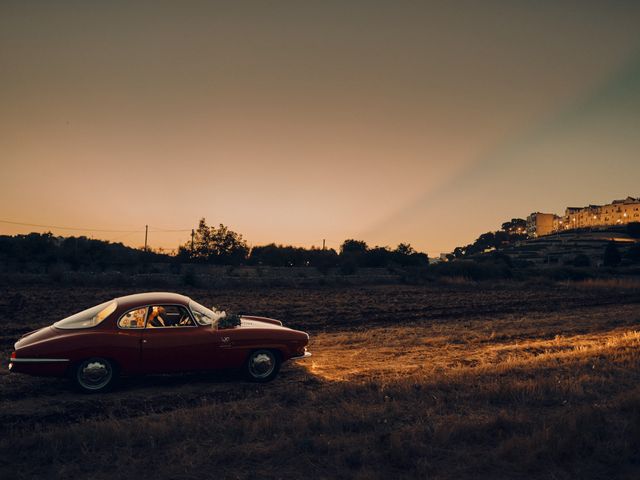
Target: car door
pixel 231 348
pixel 175 343
pixel 230 351
pixel 126 346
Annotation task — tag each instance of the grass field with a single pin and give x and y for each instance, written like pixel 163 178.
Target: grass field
pixel 449 381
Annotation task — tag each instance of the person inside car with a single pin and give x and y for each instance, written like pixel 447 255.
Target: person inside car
pixel 155 317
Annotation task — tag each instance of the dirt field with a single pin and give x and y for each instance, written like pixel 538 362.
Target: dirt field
pixel 457 381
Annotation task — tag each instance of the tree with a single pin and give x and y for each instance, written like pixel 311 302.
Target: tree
pixel 611 257
pixel 78 253
pixel 377 257
pixel 459 252
pixel 216 245
pixel 405 249
pixel 353 246
pixel 515 226
pixel 406 255
pixel 202 242
pixel 228 245
pixel 511 232
pixel 288 256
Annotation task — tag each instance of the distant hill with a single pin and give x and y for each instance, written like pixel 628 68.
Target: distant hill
pixel 575 247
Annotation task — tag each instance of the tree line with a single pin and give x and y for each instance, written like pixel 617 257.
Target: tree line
pixel 220 245
pixel 208 245
pixel 510 232
pixel 77 252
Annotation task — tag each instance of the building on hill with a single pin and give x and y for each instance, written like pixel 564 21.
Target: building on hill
pixel 616 213
pixel 539 224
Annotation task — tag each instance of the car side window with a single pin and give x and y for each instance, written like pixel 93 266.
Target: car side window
pixel 133 318
pixel 169 316
pixel 88 318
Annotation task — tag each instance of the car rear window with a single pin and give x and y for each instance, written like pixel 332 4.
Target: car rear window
pixel 88 318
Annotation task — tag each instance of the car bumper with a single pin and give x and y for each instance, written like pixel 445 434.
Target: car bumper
pixel 39 366
pixel 305 355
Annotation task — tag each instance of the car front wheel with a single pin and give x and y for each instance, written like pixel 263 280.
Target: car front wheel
pixel 95 375
pixel 262 366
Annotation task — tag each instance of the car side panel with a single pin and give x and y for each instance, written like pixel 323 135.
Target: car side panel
pixel 242 341
pixel 182 349
pixel 123 347
pixel 138 351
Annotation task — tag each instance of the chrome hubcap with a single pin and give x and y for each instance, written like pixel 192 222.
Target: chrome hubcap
pixel 261 364
pixel 94 374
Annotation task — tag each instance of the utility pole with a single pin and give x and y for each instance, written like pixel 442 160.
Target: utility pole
pixel 323 243
pixel 192 235
pixel 146 233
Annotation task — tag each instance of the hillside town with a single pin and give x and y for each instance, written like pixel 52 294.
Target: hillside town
pixel 594 235
pixel 616 213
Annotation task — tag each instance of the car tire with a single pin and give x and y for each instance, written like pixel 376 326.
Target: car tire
pixel 95 375
pixel 262 366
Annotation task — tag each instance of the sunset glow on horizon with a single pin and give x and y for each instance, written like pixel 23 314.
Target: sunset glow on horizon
pixel 294 122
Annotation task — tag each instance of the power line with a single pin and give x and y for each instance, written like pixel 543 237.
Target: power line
pixel 103 230
pixel 119 238
pixel 169 230
pixel 57 227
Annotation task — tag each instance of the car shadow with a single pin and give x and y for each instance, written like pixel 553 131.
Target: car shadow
pixel 176 380
pixel 33 401
pixel 289 372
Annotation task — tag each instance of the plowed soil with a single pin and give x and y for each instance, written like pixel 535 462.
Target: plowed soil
pixel 460 381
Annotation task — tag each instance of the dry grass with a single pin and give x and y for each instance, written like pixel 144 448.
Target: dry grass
pixel 382 352
pixel 627 283
pixel 554 393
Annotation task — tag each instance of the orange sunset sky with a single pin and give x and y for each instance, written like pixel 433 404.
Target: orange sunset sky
pixel 290 122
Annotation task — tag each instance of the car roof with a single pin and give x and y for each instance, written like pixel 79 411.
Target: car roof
pixel 147 298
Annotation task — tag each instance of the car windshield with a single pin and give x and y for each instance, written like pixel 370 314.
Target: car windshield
pixel 202 314
pixel 88 318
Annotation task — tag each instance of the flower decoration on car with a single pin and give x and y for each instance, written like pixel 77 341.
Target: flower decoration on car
pixel 223 320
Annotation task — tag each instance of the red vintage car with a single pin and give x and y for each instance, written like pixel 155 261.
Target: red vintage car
pixel 155 333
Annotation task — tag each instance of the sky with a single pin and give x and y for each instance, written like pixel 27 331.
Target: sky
pixel 293 122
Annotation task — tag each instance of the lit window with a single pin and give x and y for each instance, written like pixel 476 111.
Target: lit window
pixel 133 318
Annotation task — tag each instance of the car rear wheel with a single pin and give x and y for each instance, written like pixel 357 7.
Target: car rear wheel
pixel 262 366
pixel 95 375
